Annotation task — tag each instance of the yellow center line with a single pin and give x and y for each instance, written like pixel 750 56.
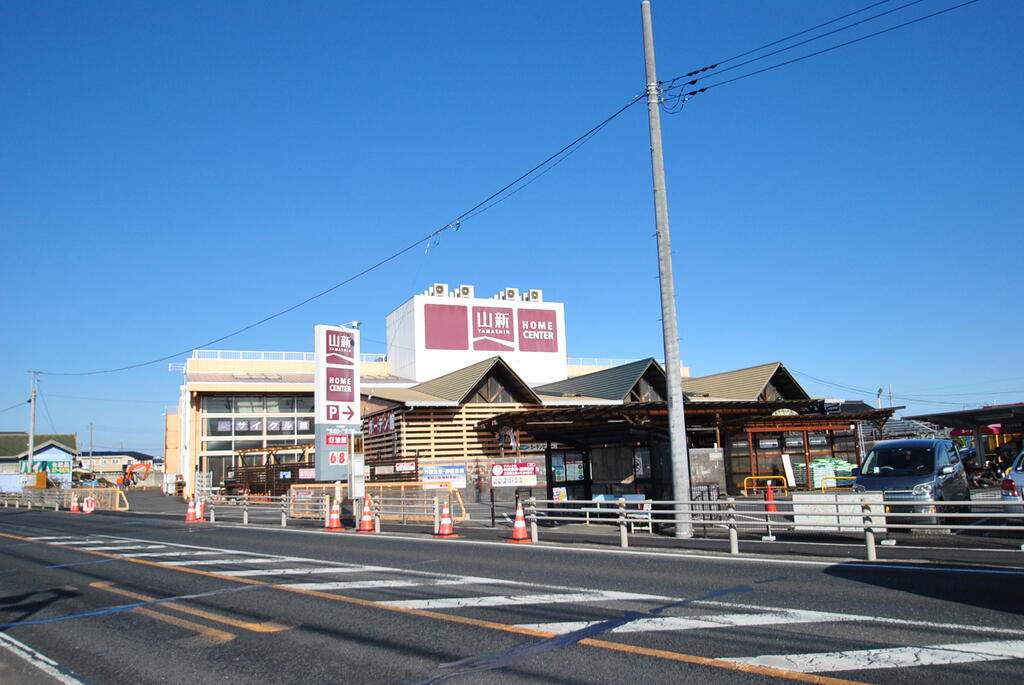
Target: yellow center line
pixel 491 625
pixel 217 636
pixel 264 627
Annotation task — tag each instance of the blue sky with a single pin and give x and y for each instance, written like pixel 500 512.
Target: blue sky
pixel 173 171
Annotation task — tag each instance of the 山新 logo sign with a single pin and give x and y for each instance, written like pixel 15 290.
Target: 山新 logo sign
pixel 339 347
pixel 492 329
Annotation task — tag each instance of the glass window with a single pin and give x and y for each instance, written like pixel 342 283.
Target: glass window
pixel 280 405
pixel 217 404
pixel 247 444
pixel 278 426
pixel 249 404
pixel 279 443
pixel 304 404
pixel 216 445
pixel 248 426
pixel 218 426
pixel 304 426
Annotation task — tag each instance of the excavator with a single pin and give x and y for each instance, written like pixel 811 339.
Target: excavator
pixel 131 474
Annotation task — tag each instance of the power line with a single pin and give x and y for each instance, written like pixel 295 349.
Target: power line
pixel 13 406
pixel 46 407
pixel 683 96
pixel 870 393
pixel 454 225
pixel 107 399
pixel 672 82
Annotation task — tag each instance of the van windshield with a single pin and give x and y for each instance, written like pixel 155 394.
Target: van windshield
pixel 899 461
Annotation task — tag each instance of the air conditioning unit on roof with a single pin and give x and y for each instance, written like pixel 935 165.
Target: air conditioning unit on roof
pixel 465 291
pixel 439 290
pixel 535 296
pixel 511 294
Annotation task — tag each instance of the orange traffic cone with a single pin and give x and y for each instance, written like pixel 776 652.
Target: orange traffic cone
pixel 74 504
pixel 190 513
pixel 335 521
pixel 366 523
pixel 446 529
pixel 519 527
pixel 199 508
pixel 769 498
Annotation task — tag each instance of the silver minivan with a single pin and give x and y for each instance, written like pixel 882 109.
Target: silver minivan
pixel 916 472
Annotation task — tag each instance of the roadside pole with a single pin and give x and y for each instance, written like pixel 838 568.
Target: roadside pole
pixel 32 423
pixel 676 420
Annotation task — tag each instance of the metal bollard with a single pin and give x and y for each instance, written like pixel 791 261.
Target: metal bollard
pixel 734 542
pixel 245 509
pixel 376 513
pixel 56 505
pixel 623 538
pixel 532 506
pixel 869 533
pixel 28 504
pixel 213 509
pixel 437 516
pixel 327 511
pixel 284 510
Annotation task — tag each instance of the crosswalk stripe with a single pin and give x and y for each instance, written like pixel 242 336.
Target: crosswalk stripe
pixel 237 560
pixel 119 547
pixel 656 623
pixel 372 585
pixel 897 657
pixel 506 600
pixel 303 571
pixel 170 554
pixel 56 537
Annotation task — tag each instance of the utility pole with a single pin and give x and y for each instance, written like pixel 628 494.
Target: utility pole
pixel 32 421
pixel 676 420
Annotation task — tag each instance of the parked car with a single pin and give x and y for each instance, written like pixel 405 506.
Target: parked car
pixel 1013 486
pixel 914 473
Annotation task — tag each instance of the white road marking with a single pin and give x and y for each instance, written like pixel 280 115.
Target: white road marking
pixel 239 560
pixel 407 582
pixel 513 600
pixel 120 547
pixel 303 571
pixel 37 659
pixel 171 554
pixel 656 623
pixel 897 657
pixel 57 537
pixel 959 628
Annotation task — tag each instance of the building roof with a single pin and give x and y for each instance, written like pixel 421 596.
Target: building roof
pixel 407 396
pixel 747 384
pixel 16 444
pixel 1012 414
pixel 137 456
pixel 608 384
pixel 457 385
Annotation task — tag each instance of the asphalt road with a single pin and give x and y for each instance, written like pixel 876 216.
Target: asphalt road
pixel 122 598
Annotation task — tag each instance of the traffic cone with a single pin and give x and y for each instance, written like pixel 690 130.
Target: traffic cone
pixel 335 521
pixel 88 504
pixel 446 529
pixel 366 523
pixel 519 533
pixel 769 498
pixel 74 504
pixel 199 508
pixel 190 513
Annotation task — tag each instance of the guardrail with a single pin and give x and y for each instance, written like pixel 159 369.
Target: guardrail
pixel 836 480
pixel 265 508
pixel 865 516
pixel 109 499
pixel 767 479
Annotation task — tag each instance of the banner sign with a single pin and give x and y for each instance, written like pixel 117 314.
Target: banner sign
pixel 380 424
pixel 335 399
pixel 441 476
pixel 514 474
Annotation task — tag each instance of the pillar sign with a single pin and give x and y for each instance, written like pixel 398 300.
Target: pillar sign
pixel 336 400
